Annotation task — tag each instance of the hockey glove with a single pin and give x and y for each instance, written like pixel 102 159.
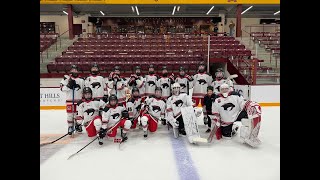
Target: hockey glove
pixel 102 133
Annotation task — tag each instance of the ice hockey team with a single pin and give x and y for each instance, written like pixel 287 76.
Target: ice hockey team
pixel 99 106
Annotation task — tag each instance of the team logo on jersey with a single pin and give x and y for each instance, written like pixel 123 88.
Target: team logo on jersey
pixel 178 103
pixel 156 109
pixel 95 84
pixel 228 105
pixel 77 86
pixel 138 107
pixel 165 85
pixel 202 81
pixel 88 111
pixel 115 116
pixel 218 88
pixel 182 85
pixel 151 83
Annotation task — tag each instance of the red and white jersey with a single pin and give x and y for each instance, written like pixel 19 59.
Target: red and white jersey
pixel 217 83
pixel 151 84
pixel 228 108
pixel 111 115
pixel 165 84
pixel 174 104
pixel 140 83
pixel 157 107
pixel 77 91
pixel 134 106
pixel 200 83
pixel 89 109
pixel 118 89
pixel 184 81
pixel 97 85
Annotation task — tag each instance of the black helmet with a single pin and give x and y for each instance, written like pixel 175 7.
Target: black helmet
pixel 181 68
pixel 113 97
pixel 86 90
pixel 125 114
pixel 202 64
pixel 151 66
pixel 137 67
pixel 134 89
pixel 74 74
pixel 219 70
pixel 73 66
pixel 117 68
pixel 164 67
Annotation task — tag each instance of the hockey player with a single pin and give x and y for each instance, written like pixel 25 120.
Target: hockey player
pixel 136 80
pixel 88 113
pixel 220 79
pixel 165 82
pixel 200 83
pixel 154 110
pixel 134 104
pixel 72 85
pixel 185 81
pixel 117 85
pixel 97 83
pixel 151 81
pixel 230 107
pixel 174 104
pixel 112 119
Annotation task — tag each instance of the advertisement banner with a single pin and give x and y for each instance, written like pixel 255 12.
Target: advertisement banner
pixel 52 97
pixel 243 90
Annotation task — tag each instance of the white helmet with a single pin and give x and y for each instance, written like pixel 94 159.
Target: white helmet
pixel 224 89
pixel 175 88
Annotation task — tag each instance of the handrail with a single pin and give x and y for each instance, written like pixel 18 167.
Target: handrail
pixel 64 33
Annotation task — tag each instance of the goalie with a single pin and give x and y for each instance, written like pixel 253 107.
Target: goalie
pixel 229 107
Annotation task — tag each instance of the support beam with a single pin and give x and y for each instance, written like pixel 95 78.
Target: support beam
pixel 70 20
pixel 238 23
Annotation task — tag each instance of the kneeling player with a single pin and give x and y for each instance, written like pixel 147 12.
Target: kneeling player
pixel 229 107
pixel 88 113
pixel 112 119
pixel 154 111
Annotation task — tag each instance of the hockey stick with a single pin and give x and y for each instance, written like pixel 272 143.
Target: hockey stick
pixel 53 141
pixel 83 148
pixel 72 109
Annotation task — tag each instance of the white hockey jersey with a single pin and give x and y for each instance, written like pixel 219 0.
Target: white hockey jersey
pixel 97 85
pixel 87 110
pixel 184 83
pixel 140 84
pixel 77 91
pixel 174 104
pixel 165 84
pixel 228 108
pixel 200 83
pixel 217 83
pixel 118 88
pixel 111 115
pixel 151 83
pixel 134 106
pixel 157 107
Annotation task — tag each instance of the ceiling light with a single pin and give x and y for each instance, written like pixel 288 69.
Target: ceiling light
pixel 178 8
pixel 210 10
pixel 174 9
pixel 276 13
pixel 102 13
pixel 65 12
pixel 246 10
pixel 132 8
pixel 137 10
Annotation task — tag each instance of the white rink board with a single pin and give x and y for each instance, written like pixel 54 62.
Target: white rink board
pixel 52 97
pixel 265 94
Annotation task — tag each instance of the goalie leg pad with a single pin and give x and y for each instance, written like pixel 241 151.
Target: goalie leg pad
pixel 249 131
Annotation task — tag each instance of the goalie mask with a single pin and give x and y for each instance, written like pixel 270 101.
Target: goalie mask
pixel 224 90
pixel 176 89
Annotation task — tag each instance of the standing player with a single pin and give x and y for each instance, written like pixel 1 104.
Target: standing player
pixel 207 101
pixel 174 104
pixel 230 107
pixel 185 81
pixel 151 81
pixel 165 82
pixel 154 110
pixel 134 104
pixel 112 119
pixel 72 85
pixel 88 112
pixel 200 84
pixel 220 79
pixel 97 83
pixel 136 80
pixel 117 85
